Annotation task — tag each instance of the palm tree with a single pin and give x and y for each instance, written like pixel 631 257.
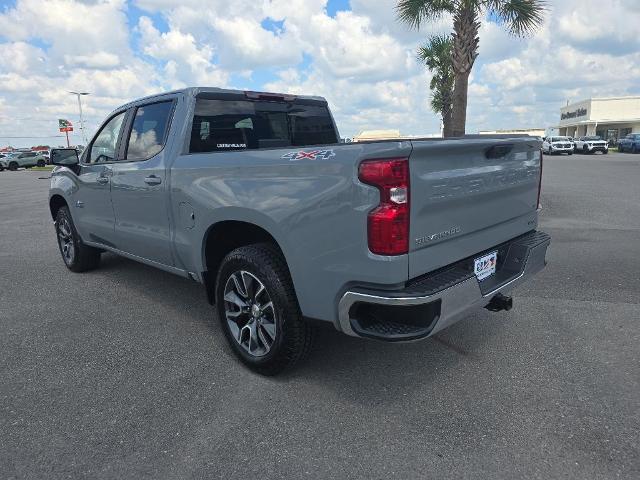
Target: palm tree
pixel 436 55
pixel 519 17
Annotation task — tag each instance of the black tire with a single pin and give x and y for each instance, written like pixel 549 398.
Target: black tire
pixel 292 336
pixel 570 153
pixel 13 166
pixel 41 163
pixel 634 149
pixel 605 151
pixel 77 256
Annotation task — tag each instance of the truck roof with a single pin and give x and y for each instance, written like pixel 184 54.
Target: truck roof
pixel 193 91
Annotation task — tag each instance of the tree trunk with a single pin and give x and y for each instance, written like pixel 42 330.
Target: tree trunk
pixel 447 120
pixel 465 50
pixel 459 117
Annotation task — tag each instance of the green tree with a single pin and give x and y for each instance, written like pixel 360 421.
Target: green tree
pixel 436 55
pixel 519 17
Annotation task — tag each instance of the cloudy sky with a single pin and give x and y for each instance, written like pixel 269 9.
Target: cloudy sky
pixel 353 52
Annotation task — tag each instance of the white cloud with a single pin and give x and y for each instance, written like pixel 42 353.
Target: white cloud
pixel 101 60
pixel 187 63
pixel 362 60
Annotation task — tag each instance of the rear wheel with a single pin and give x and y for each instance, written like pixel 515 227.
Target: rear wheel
pixel 77 256
pixel 41 163
pixel 259 312
pixel 13 166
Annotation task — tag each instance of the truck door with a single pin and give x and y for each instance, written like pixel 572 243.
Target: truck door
pixel 139 187
pixel 91 202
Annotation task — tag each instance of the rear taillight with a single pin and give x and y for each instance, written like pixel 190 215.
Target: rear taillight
pixel 388 223
pixel 540 181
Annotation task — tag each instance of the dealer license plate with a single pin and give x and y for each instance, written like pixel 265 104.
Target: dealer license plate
pixel 485 265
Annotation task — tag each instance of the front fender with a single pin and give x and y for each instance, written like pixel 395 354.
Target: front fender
pixel 63 184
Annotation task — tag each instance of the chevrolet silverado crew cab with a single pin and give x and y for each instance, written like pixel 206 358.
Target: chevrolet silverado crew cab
pixel 253 196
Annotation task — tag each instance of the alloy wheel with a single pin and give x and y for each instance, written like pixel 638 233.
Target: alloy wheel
pixel 250 313
pixel 65 239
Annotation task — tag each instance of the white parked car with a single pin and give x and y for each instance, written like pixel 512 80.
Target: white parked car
pixel 591 144
pixel 552 145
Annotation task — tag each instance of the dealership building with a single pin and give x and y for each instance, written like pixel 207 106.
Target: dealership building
pixel 610 118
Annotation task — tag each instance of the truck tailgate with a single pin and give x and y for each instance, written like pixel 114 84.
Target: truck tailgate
pixel 468 195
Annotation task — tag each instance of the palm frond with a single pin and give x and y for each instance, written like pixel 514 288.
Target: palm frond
pixel 415 12
pixel 521 17
pixel 436 56
pixel 436 53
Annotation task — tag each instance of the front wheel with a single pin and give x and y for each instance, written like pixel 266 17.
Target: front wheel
pixel 13 166
pixel 258 310
pixel 41 163
pixel 77 256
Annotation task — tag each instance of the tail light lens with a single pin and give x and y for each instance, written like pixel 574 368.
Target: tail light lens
pixel 540 180
pixel 388 223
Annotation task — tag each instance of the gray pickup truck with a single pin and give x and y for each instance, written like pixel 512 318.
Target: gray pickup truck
pixel 252 195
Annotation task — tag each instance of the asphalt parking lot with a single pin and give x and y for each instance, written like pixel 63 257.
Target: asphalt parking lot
pixel 121 372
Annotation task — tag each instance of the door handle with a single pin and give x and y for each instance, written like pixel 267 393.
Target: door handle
pixel 152 180
pixel 102 180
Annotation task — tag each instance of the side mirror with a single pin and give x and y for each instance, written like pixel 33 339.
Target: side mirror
pixel 65 157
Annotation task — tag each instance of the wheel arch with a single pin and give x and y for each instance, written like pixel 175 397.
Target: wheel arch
pixel 225 236
pixel 55 203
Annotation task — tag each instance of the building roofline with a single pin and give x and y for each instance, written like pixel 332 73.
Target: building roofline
pixel 599 121
pixel 591 99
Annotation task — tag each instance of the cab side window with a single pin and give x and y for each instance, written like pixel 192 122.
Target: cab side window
pixel 103 148
pixel 148 130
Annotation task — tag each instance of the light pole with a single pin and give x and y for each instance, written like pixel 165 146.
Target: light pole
pixel 79 94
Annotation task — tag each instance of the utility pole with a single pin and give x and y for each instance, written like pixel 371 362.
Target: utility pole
pixel 79 94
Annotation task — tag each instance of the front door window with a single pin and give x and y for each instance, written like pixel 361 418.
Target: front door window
pixel 105 144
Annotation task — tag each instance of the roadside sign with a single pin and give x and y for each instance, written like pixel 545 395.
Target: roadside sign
pixel 65 125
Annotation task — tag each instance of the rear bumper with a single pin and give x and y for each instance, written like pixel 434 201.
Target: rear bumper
pixel 432 302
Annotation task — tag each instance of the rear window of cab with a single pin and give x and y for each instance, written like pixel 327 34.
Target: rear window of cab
pixel 227 125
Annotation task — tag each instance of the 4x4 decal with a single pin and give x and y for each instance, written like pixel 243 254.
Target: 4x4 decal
pixel 313 155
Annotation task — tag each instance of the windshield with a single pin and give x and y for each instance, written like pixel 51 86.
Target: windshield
pixel 559 139
pixel 592 138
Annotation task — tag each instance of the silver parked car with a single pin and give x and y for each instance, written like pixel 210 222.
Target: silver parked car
pixel 23 159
